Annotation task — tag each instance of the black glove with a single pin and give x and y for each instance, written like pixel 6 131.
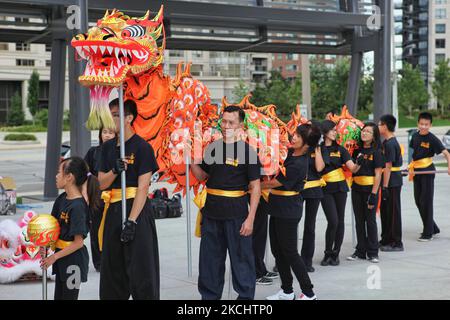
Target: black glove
pixel 128 231
pixel 384 194
pixel 360 159
pixel 372 200
pixel 119 166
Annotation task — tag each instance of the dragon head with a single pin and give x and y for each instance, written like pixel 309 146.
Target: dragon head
pixel 118 47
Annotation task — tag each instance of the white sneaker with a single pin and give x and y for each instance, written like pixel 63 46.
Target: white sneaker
pixel 280 295
pixel 306 298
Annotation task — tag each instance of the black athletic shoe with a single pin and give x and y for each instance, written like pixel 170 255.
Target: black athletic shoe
pixel 334 261
pixel 263 281
pixel 272 275
pixel 310 269
pixel 326 261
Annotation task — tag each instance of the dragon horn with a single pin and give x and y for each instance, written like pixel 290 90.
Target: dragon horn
pixel 145 17
pixel 159 16
pixel 106 14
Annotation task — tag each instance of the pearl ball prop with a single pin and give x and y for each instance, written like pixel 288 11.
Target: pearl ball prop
pixel 43 230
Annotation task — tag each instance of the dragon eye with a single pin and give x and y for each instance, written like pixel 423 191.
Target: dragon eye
pixel 133 31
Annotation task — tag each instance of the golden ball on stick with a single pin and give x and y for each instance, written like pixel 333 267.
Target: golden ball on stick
pixel 43 230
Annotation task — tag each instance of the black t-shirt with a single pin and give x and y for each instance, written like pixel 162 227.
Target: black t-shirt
pixel 92 158
pixel 290 207
pixel 373 158
pixel 312 175
pixel 141 159
pixel 393 153
pixel 230 166
pixel 73 218
pixel 426 146
pixel 334 156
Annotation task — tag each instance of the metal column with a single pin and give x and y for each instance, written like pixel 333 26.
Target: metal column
pixel 354 80
pixel 382 64
pixel 80 137
pixel 55 109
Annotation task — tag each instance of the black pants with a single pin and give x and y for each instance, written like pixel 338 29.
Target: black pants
pixel 333 205
pixel 129 268
pixel 260 237
pixel 218 236
pixel 391 218
pixel 96 219
pixel 283 241
pixel 309 230
pixel 62 292
pixel 424 195
pixel 366 225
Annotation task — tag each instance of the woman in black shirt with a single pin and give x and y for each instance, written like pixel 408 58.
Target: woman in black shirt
pixel 285 208
pixel 71 258
pixel 335 191
pixel 366 184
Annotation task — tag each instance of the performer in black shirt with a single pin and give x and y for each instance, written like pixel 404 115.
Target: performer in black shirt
pixel 366 184
pixel 335 157
pixel 92 159
pixel 390 211
pixel 285 208
pixel 232 168
pixel 71 257
pixel 130 259
pixel 425 146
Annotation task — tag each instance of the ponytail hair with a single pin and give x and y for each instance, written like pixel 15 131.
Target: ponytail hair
pixel 80 170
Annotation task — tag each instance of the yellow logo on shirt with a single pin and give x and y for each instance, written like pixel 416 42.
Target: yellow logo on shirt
pixel 425 145
pixel 130 159
pixel 335 154
pixel 65 217
pixel 368 157
pixel 232 162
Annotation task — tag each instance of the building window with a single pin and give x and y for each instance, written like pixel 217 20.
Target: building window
pixel 3 46
pixel 279 56
pixel 22 46
pixel 423 31
pixel 197 54
pixel 440 57
pixel 423 45
pixel 440 43
pixel 21 19
pixel 48 48
pixel 422 17
pixel 440 1
pixel 291 67
pixel 423 60
pixel 176 53
pixel 440 28
pixel 25 62
pixel 441 13
pixel 48 63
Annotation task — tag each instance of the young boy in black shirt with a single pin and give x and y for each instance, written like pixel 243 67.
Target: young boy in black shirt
pixel 130 259
pixel 425 145
pixel 390 211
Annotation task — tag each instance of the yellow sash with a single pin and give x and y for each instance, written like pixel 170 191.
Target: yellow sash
pixel 61 244
pixel 364 180
pixel 334 176
pixel 396 169
pixel 418 164
pixel 200 200
pixel 284 193
pixel 112 196
pixel 315 183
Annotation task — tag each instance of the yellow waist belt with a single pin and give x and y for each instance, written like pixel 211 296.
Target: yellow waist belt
pixel 314 184
pixel 61 244
pixel 396 169
pixel 113 196
pixel 364 180
pixel 200 200
pixel 284 193
pixel 418 164
pixel 334 176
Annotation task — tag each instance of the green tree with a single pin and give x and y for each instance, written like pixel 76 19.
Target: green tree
pixel 33 93
pixel 441 84
pixel 16 116
pixel 412 92
pixel 240 90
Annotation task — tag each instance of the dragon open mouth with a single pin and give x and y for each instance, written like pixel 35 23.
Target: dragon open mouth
pixel 109 62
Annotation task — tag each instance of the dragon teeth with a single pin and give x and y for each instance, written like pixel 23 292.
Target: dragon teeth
pixel 124 52
pixel 102 49
pixel 94 48
pixel 117 51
